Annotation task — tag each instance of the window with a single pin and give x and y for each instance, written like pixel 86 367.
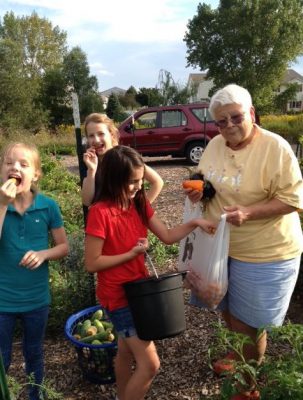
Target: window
pixel 146 121
pixel 173 118
pixel 200 113
pixel 295 104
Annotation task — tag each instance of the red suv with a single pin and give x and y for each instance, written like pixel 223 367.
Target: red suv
pixel 179 131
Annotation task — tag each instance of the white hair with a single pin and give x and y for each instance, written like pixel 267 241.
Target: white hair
pixel 230 94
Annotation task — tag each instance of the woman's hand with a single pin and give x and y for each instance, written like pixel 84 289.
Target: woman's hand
pixel 194 195
pixel 236 215
pixel 90 159
pixel 32 259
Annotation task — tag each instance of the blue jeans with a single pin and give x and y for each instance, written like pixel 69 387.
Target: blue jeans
pixel 122 320
pixel 34 324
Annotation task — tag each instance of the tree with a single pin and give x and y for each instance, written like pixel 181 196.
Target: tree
pixel 29 46
pixel 114 109
pixel 171 92
pixel 77 73
pixel 56 98
pixel 128 100
pixel 149 97
pixel 249 42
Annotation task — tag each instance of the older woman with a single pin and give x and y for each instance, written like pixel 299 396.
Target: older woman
pixel 259 186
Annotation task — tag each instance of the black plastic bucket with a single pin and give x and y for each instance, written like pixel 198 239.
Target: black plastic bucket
pixel 157 305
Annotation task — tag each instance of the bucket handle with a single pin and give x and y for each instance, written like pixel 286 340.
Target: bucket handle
pixel 152 264
pixel 183 273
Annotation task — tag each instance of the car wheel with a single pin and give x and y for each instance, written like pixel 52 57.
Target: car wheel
pixel 194 152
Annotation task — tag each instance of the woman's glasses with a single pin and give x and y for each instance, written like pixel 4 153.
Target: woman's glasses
pixel 235 119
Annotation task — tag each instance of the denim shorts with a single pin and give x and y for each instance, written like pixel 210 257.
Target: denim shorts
pixel 123 322
pixel 259 293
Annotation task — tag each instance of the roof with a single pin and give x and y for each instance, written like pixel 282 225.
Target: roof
pixel 115 90
pixel 291 75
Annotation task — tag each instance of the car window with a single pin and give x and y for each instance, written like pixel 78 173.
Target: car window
pixel 147 120
pixel 200 114
pixel 173 118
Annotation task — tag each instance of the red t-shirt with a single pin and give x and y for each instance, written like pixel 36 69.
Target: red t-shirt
pixel 120 230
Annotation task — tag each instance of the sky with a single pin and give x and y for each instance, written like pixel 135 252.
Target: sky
pixel 126 42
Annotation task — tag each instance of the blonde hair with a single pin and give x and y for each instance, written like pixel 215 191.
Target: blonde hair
pixel 231 94
pixel 34 153
pixel 104 119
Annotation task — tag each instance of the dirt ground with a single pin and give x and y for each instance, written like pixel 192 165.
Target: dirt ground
pixel 185 372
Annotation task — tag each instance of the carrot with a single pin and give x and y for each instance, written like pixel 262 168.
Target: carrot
pixel 194 185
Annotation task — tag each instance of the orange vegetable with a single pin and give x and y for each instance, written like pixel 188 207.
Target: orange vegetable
pixel 194 185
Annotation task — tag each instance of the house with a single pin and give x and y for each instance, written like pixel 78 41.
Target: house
pixel 291 76
pixel 199 81
pixel 106 93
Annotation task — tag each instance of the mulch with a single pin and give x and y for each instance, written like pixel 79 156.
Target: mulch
pixel 185 373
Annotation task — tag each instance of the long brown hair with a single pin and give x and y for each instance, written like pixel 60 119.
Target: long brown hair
pixel 112 182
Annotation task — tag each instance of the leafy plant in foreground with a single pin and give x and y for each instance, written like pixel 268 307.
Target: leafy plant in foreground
pixel 18 390
pixel 279 377
pixel 245 373
pixel 283 373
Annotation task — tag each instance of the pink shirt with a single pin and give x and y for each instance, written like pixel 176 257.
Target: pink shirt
pixel 120 230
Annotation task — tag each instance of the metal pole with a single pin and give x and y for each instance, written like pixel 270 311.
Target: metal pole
pixel 82 167
pixel 132 127
pixel 82 172
pixel 204 126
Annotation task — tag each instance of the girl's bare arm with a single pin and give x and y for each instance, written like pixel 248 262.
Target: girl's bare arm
pixel 175 234
pixel 155 181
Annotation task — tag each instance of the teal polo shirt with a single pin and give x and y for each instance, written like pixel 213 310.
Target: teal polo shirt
pixel 22 289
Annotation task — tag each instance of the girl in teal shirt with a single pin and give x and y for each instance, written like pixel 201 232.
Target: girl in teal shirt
pixel 26 219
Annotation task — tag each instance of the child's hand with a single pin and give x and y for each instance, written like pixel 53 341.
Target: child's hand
pixel 207 226
pixel 32 259
pixel 90 159
pixel 141 246
pixel 8 192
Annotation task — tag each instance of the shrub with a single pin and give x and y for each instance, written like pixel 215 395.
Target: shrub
pixel 57 182
pixel 160 253
pixel 288 126
pixel 72 287
pixel 63 141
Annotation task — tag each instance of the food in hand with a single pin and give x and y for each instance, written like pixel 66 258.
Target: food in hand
pixel 193 184
pixel 16 181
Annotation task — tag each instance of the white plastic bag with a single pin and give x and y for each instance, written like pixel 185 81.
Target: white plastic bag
pixel 205 256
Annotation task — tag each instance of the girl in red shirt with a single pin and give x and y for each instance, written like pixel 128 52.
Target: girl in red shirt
pixel 115 243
